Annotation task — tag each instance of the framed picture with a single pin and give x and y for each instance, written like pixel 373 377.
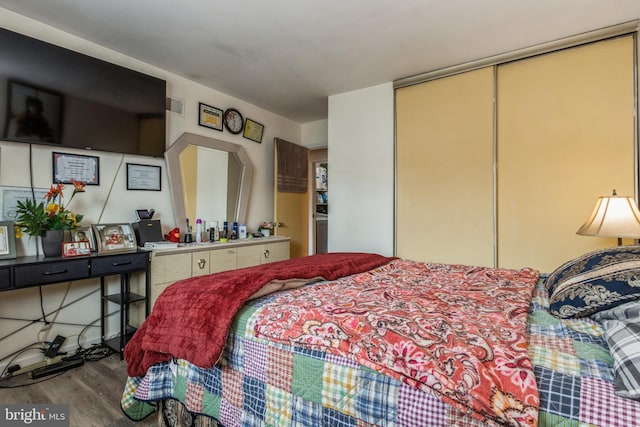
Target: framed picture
pixel 77 167
pixel 7 240
pixel 114 238
pixel 34 114
pixel 76 249
pixel 143 177
pixel 83 234
pixel 210 117
pixel 253 130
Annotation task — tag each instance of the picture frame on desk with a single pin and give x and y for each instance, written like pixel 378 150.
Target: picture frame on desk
pixel 114 238
pixel 83 234
pixel 71 249
pixel 7 240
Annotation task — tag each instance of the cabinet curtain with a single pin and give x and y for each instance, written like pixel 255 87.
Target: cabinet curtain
pixel 501 165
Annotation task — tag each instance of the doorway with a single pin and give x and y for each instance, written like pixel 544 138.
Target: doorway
pixel 319 200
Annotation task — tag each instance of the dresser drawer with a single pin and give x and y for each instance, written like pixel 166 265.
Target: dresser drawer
pixel 39 274
pixel 5 277
pixel 117 264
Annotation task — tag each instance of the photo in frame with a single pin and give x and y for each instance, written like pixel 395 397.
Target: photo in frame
pixel 77 167
pixel 76 249
pixel 7 240
pixel 144 177
pixel 83 234
pixel 253 130
pixel 34 114
pixel 112 238
pixel 210 116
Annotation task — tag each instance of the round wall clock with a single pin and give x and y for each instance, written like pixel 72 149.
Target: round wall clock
pixel 233 120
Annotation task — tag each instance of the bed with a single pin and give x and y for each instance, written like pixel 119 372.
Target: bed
pixel 354 339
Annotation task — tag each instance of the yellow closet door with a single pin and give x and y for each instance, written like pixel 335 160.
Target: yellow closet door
pixel 565 136
pixel 444 169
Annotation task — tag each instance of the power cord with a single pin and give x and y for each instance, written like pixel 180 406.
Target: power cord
pixel 92 354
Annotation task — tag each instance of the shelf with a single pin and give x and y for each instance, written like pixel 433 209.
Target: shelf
pixel 114 343
pixel 130 297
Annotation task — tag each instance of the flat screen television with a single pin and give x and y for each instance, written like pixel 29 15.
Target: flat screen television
pixel 52 95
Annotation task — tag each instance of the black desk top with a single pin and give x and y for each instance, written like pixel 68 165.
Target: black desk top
pixel 36 259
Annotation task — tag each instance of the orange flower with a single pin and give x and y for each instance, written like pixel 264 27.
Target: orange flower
pixel 78 186
pixel 54 191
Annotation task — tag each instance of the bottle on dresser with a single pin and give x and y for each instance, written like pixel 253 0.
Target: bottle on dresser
pixel 198 230
pixel 214 234
pixel 225 230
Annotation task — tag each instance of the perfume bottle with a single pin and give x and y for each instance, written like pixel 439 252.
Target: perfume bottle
pixel 198 230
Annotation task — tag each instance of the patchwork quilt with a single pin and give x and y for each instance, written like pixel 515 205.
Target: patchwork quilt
pixel 261 382
pixel 574 371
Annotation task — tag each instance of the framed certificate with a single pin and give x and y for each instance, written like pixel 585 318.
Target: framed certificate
pixel 7 240
pixel 143 177
pixel 67 167
pixel 210 117
pixel 253 130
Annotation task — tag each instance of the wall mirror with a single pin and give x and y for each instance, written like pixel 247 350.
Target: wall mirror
pixel 209 179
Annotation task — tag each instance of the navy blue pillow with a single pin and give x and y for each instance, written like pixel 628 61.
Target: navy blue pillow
pixel 595 281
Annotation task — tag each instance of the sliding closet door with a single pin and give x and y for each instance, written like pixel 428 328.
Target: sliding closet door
pixel 444 155
pixel 565 136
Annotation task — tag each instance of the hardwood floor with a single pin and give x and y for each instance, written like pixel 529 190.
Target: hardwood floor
pixel 92 391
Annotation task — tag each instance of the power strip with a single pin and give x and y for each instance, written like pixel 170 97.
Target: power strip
pixel 55 368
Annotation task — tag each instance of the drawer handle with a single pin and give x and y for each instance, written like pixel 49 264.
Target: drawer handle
pixel 201 263
pixel 51 273
pixel 118 264
pixel 266 253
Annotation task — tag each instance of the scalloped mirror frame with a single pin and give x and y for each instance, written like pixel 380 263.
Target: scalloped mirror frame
pixel 172 157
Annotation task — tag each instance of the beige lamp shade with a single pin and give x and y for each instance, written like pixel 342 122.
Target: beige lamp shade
pixel 613 216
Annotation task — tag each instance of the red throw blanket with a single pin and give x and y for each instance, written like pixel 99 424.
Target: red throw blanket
pixel 190 319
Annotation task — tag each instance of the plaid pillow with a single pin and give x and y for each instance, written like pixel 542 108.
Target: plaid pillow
pixel 595 281
pixel 622 330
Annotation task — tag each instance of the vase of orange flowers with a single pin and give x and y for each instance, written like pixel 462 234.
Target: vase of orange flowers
pixel 49 218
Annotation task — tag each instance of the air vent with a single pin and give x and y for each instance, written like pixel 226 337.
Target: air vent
pixel 175 106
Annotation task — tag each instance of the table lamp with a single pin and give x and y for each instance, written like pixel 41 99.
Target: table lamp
pixel 613 216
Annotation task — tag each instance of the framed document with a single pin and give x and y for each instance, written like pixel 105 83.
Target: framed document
pixel 67 167
pixel 210 117
pixel 253 130
pixel 143 177
pixel 7 240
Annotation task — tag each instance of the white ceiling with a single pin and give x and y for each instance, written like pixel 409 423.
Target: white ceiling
pixel 288 56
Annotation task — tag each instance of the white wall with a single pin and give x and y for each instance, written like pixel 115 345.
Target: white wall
pixel 361 159
pixel 315 134
pixel 110 201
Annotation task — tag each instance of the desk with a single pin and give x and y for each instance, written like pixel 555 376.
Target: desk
pixel 31 271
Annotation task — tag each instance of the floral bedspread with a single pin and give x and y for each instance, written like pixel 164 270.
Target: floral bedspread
pixel 455 331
